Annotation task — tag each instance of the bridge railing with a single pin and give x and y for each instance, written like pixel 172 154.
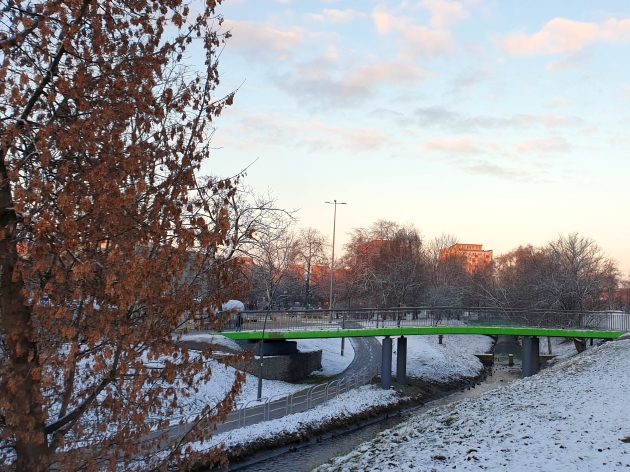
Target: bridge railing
pixel 307 320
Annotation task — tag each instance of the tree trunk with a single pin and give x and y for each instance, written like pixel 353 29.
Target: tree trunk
pixel 22 405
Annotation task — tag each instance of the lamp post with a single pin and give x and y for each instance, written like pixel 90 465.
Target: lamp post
pixel 261 357
pixel 332 265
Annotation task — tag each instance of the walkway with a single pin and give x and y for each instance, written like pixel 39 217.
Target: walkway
pixel 280 325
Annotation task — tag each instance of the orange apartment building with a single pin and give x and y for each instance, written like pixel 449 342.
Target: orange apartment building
pixel 474 256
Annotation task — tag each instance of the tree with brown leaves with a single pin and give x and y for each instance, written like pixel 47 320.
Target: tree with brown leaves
pixel 107 243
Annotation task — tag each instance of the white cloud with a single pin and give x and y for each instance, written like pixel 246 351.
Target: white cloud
pixel 436 116
pixel 320 83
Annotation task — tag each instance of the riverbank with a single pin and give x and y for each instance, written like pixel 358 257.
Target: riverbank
pixel 369 403
pixel 416 394
pixel 572 416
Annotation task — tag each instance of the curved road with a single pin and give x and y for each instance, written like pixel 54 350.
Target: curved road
pixel 367 354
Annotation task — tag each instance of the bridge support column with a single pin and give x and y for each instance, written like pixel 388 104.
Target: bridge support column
pixel 530 362
pixel 401 360
pixel 386 363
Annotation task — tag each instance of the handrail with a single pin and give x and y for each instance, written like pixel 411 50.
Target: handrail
pixel 262 410
pixel 427 316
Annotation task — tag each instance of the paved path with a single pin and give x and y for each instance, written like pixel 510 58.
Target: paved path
pixel 367 354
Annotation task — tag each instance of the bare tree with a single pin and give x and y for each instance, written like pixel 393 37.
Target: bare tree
pixel 569 273
pixel 449 279
pixel 386 264
pixel 311 246
pixel 581 273
pixel 274 251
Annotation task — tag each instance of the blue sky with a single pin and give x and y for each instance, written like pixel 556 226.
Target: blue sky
pixel 501 122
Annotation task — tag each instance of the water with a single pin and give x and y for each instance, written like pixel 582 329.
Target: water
pixel 306 457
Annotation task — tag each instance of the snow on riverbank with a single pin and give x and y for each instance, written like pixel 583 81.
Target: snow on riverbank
pixel 454 358
pixel 344 406
pixel 572 416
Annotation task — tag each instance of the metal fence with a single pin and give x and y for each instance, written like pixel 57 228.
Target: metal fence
pixel 307 320
pixel 275 407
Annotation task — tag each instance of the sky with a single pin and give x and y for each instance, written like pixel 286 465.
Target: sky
pixel 501 122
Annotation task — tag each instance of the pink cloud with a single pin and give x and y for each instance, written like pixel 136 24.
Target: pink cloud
pixel 258 41
pixel 270 129
pixel 461 145
pixel 563 36
pixel 444 13
pixel 332 15
pixel 543 146
pixel 390 73
pixel 418 40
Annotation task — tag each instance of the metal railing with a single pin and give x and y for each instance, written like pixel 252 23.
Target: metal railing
pixel 279 406
pixel 307 320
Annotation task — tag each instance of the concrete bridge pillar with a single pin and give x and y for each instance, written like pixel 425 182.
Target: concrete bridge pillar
pixel 531 348
pixel 401 360
pixel 386 363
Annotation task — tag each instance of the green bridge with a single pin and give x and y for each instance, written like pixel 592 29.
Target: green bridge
pixel 337 332
pixel 278 326
pixel 308 324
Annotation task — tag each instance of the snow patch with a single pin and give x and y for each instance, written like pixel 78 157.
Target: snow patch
pixel 333 362
pixel 572 416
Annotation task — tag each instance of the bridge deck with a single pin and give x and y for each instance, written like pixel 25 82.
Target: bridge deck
pixel 309 324
pixel 275 334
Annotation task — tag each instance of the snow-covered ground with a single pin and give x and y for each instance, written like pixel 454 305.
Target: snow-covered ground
pixel 211 339
pixel 192 401
pixel 572 416
pixel 454 358
pixel 343 406
pixel 332 361
pixel 223 376
pixel 561 348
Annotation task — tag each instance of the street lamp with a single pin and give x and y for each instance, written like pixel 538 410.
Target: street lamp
pixel 261 356
pixel 332 265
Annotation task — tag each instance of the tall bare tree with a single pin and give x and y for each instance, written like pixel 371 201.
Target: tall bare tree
pixel 581 273
pixel 386 264
pixel 449 280
pixel 274 251
pixel 312 247
pixel 569 273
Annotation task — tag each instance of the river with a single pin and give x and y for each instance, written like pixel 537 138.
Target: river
pixel 305 457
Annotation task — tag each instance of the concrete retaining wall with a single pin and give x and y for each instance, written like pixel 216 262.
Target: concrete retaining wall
pixel 291 368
